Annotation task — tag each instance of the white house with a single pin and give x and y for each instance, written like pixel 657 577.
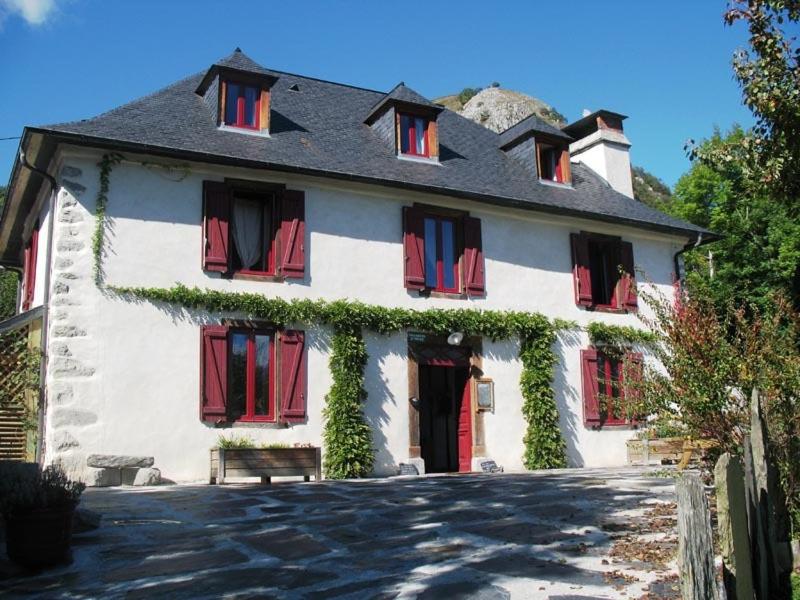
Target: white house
pixel 246 179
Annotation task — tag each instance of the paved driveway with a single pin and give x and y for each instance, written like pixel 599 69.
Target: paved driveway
pixel 572 534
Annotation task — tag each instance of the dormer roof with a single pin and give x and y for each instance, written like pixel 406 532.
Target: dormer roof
pixel 404 98
pixel 529 127
pixel 237 62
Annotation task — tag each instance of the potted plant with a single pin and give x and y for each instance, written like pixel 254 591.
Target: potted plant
pixel 38 506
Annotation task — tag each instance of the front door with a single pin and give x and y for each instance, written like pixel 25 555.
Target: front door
pixel 445 419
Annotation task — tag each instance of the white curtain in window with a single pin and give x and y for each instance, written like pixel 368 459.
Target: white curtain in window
pixel 419 129
pixel 247 231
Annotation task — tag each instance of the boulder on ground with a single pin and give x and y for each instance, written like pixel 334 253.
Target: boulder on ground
pixel 119 461
pixel 100 477
pixel 151 476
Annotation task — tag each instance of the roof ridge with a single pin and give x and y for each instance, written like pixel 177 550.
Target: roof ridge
pixel 319 79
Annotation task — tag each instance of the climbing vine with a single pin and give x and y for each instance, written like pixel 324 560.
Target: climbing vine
pixel 347 435
pixel 602 334
pixel 544 444
pixel 98 239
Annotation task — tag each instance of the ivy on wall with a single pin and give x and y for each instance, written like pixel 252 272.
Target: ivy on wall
pixel 347 436
pixel 618 336
pixel 544 444
pixel 98 239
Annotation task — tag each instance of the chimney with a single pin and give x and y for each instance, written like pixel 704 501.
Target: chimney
pixel 601 145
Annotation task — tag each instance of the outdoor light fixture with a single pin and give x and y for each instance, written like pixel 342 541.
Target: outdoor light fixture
pixel 455 338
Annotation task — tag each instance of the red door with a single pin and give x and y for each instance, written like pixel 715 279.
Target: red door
pixel 465 430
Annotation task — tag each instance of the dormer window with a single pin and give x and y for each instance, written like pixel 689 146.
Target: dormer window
pixel 553 162
pixel 242 106
pixel 414 138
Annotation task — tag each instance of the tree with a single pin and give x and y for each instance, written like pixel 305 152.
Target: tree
pixel 760 249
pixel 8 280
pixel 769 75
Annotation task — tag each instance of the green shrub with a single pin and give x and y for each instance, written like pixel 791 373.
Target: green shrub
pixel 466 94
pixel 25 488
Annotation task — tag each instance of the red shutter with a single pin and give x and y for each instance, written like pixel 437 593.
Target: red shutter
pixel 414 248
pixel 627 284
pixel 474 271
pixel 29 281
pixel 580 269
pixel 293 233
pixel 293 376
pixel 216 219
pixel 633 372
pixel 591 387
pixel 214 373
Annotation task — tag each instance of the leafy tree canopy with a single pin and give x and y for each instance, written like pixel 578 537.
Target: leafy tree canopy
pixel 8 280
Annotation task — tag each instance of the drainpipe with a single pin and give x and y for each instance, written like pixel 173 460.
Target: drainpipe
pixel 687 247
pixel 46 301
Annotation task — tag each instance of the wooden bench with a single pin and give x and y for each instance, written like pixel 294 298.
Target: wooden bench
pixel 265 463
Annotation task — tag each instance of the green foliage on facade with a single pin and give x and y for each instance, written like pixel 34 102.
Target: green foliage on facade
pixel 347 435
pixel 98 239
pixel 544 444
pixel 603 334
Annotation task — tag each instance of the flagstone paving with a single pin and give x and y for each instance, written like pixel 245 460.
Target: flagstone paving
pixel 563 535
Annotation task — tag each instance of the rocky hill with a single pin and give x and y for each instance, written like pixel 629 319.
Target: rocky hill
pixel 498 109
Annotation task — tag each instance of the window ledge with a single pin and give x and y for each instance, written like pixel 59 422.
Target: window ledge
pixel 557 184
pixel 263 134
pixel 254 277
pixel 420 159
pixel 613 427
pixel 251 425
pixel 435 294
pixel 609 309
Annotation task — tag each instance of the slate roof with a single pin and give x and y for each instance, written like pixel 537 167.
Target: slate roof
pixel 531 125
pixel 317 127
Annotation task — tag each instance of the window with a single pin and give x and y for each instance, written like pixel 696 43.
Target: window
pixel 553 163
pixel 29 268
pixel 604 269
pixel 441 255
pixel 252 373
pixel 254 229
pixel 253 233
pixel 443 252
pixel 606 396
pixel 603 272
pixel 242 106
pixel 250 376
pixel 414 136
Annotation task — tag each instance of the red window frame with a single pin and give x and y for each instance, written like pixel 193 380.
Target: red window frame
pixel 411 136
pixel 250 385
pixel 270 261
pixel 606 385
pixel 458 250
pixel 558 175
pixel 241 107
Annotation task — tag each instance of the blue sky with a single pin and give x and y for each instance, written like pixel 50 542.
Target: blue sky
pixel 665 64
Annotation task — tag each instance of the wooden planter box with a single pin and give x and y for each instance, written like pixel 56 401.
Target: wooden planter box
pixel 264 463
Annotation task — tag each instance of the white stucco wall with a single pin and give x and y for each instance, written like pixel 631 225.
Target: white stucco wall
pixel 123 377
